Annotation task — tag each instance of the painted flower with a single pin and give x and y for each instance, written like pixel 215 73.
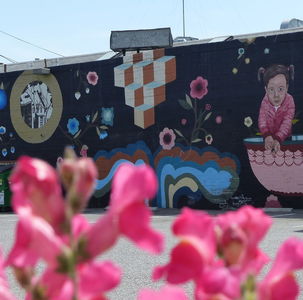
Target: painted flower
pixel 107 116
pixel 183 121
pixel 218 119
pixel 167 138
pixel 103 135
pixel 208 139
pixel 207 106
pixel 73 126
pixel 92 78
pixel 2 130
pixel 87 118
pixel 198 87
pixel 248 121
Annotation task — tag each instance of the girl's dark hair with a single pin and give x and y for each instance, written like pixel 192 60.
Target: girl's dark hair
pixel 274 70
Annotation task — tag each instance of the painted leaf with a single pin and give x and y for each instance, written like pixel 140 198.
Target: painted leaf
pixel 196 140
pixel 95 116
pixel 98 131
pixel 188 100
pixel 103 127
pixel 178 132
pixel 294 121
pixel 77 134
pixel 184 104
pixel 207 116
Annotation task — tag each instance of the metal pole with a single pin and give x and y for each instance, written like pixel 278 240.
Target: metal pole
pixel 183 19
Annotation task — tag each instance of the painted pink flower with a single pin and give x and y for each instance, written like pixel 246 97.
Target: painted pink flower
pixel 168 292
pixel 198 87
pixel 79 178
pixel 272 201
pixel 280 282
pixel 207 106
pixel 34 239
pixel 167 138
pixel 218 119
pixel 92 78
pixel 130 187
pixel 35 185
pixel 183 121
pixel 239 234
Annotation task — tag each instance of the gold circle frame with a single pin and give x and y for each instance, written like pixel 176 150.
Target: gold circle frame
pixel 35 135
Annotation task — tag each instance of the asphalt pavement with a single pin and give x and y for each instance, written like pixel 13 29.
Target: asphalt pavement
pixel 137 265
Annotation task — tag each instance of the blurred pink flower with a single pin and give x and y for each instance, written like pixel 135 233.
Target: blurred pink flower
pixel 35 185
pixel 168 292
pixel 92 78
pixel 238 234
pixel 79 178
pixel 34 239
pixel 127 215
pixel 218 119
pixel 195 251
pixel 167 138
pixel 130 187
pixel 198 88
pixel 280 283
pixel 183 121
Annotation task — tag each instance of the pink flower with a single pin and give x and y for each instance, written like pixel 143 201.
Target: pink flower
pixel 183 121
pixel 92 78
pixel 131 186
pixel 79 178
pixel 280 283
pixel 238 236
pixel 35 239
pixel 198 88
pixel 218 283
pixel 168 292
pixel 35 185
pixel 195 251
pixel 218 119
pixel 167 138
pixel 127 215
pixel 90 285
pixel 207 106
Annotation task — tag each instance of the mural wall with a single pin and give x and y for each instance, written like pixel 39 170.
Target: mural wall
pixel 220 123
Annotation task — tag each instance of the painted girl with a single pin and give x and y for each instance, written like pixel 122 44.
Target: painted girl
pixel 277 108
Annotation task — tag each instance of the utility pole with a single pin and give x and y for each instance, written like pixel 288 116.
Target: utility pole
pixel 183 19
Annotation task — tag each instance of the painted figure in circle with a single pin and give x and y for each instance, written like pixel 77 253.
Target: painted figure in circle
pixel 277 108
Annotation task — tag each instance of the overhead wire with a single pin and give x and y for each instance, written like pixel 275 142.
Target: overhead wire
pixel 19 39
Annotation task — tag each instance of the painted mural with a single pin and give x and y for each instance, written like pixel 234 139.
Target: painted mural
pixel 219 123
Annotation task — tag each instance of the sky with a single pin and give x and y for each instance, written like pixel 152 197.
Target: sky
pixel 77 27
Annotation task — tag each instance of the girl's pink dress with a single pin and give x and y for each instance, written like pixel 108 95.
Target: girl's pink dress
pixel 276 123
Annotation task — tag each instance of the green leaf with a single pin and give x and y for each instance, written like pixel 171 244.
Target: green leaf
pixel 207 116
pixel 184 104
pixel 188 100
pixel 196 140
pixel 178 132
pixel 77 134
